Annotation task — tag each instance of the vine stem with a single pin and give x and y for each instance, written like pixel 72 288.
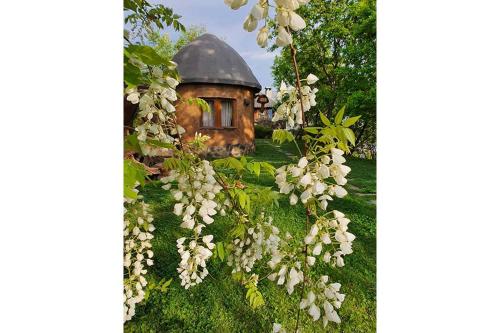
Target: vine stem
pixel 293 52
pixel 297 145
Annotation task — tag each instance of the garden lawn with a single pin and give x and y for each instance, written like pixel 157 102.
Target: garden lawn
pixel 218 304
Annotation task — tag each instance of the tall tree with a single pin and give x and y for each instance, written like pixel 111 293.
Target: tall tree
pixel 339 46
pixel 166 47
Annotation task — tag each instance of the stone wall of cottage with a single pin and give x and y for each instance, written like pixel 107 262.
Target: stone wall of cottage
pixel 237 140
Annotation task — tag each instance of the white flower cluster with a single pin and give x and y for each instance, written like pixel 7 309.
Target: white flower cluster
pixel 292 276
pixel 319 238
pixel 193 266
pixel 256 242
pixel 137 233
pixel 325 295
pixel 195 196
pixel 311 178
pixel 154 120
pixel 291 273
pixel 290 108
pixel 285 17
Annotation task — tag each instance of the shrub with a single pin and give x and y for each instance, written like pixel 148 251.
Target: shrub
pixel 262 132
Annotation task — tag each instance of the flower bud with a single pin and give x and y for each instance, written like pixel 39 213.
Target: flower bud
pixel 284 38
pixel 262 37
pixel 250 23
pixel 312 79
pixel 296 22
pixel 235 4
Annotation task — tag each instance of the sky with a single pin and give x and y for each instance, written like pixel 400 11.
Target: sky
pixel 226 24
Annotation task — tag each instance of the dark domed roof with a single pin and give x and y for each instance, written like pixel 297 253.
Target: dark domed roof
pixel 207 59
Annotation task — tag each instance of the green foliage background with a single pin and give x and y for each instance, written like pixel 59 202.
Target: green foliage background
pixel 166 47
pixel 339 46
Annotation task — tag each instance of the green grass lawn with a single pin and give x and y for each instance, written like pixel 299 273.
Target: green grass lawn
pixel 218 304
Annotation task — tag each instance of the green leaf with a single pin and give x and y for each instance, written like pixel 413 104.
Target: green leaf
pixel 133 172
pixel 132 75
pixel 341 136
pixel 329 131
pixel 243 200
pixel 342 146
pixel 254 296
pixel 146 54
pixel 281 136
pixel 268 168
pixel 228 162
pixel 129 193
pixel 238 231
pixel 199 102
pixel 165 285
pixel 220 250
pixel 160 144
pixel 255 168
pixel 325 120
pixel 146 294
pixel 350 135
pixel 237 276
pixel 313 130
pixel 132 144
pixel 339 116
pixel 350 121
pixel 171 163
pixel 129 5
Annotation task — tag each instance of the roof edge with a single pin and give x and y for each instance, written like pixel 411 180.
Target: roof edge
pixel 222 81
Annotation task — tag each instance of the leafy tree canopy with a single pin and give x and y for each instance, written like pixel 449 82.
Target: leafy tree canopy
pixel 166 47
pixel 339 46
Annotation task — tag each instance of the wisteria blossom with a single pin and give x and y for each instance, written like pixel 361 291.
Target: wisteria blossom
pixel 137 231
pixel 286 265
pixel 194 256
pixel 256 242
pixel 322 299
pixel 288 275
pixel 285 17
pixel 330 235
pixel 317 179
pixel 154 119
pixel 290 109
pixel 313 180
pixel 194 193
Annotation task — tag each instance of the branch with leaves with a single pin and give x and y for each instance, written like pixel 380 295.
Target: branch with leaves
pixel 316 178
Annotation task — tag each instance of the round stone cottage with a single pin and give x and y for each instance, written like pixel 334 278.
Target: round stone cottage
pixel 212 70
